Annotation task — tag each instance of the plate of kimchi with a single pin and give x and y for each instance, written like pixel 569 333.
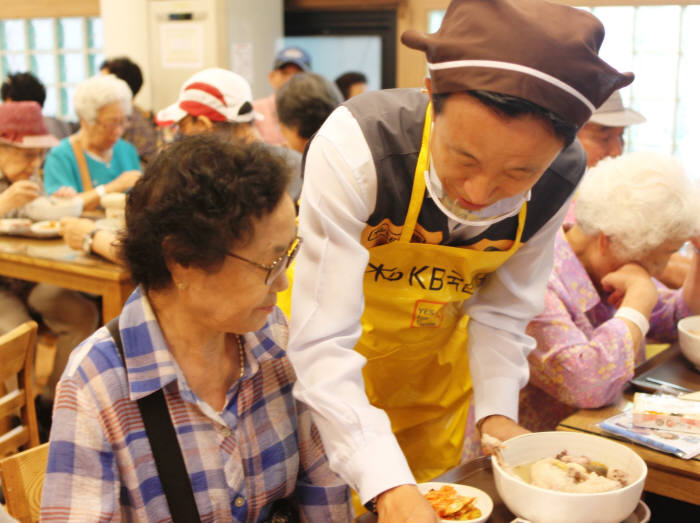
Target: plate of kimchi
pixel 454 502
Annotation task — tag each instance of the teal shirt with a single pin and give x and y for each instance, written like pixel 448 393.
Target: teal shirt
pixel 61 167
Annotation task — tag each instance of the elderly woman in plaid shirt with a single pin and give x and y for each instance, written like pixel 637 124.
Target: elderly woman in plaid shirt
pixel 209 233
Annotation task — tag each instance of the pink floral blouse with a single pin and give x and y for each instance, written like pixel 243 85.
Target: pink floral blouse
pixel 584 355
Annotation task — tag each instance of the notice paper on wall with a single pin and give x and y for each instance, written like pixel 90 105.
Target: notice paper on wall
pixel 242 60
pixel 182 45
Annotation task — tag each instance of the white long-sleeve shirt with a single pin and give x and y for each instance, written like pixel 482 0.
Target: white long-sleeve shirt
pixel 339 195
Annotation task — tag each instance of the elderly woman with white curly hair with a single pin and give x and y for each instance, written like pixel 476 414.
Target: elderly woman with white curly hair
pixel 602 298
pixel 95 160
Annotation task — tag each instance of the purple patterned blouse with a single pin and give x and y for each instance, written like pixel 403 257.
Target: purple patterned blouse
pixel 584 355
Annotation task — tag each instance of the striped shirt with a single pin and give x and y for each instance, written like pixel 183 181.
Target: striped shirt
pixel 260 448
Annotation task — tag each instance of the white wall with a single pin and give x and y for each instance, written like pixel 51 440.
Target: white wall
pixel 256 29
pixel 254 33
pixel 124 24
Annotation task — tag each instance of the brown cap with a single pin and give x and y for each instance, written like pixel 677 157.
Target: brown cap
pixel 539 51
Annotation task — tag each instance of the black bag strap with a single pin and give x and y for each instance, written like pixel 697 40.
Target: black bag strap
pixel 165 447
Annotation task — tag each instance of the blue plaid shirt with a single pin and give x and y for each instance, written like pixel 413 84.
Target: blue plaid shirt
pixel 261 447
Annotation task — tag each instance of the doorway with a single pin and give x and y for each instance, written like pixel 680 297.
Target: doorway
pixel 342 41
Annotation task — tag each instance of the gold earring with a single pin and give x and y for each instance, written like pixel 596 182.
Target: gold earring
pixel 181 286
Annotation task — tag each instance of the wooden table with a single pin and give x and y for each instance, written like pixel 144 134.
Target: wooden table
pixel 52 261
pixel 667 475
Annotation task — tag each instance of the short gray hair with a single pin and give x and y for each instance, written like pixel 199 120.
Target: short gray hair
pixel 305 101
pixel 96 92
pixel 639 200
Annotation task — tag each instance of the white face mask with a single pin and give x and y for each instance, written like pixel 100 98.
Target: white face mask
pixel 497 212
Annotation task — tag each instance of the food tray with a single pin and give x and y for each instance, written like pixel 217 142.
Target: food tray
pixel 676 369
pixel 478 473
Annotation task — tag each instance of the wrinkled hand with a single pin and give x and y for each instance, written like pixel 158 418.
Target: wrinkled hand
pixel 123 182
pixel 405 504
pixel 74 231
pixel 500 427
pixel 65 192
pixel 19 193
pixel 631 286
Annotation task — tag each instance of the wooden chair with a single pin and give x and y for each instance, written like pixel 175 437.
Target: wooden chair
pixel 16 361
pixel 22 477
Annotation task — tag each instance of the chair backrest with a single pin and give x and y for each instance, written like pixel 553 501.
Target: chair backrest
pixel 16 362
pixel 22 477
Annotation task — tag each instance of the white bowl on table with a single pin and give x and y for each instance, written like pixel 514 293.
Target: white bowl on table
pixel 689 338
pixel 46 208
pixel 540 505
pixel 114 205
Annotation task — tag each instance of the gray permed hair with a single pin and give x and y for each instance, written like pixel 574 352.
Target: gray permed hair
pixel 96 92
pixel 639 200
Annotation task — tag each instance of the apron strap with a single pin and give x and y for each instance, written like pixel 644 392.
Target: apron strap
pixel 82 163
pixel 418 190
pixel 522 216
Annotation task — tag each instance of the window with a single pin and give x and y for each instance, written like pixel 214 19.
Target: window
pixel 659 44
pixel 61 52
pixel 341 41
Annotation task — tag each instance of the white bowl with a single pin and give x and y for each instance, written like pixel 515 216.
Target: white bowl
pixel 46 208
pixel 689 338
pixel 113 200
pixel 548 506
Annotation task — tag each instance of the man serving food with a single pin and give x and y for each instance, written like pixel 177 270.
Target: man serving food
pixel 429 221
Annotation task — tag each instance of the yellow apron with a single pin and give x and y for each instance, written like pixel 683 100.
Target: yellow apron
pixel 414 334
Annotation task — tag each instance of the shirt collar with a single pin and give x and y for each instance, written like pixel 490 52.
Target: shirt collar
pixel 150 365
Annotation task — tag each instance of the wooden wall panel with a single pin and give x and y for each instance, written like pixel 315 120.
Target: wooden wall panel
pixel 48 8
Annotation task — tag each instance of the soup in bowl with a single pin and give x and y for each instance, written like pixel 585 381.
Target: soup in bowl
pixel 545 505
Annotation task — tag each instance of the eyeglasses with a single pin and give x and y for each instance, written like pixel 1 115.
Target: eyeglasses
pixel 110 125
pixel 277 266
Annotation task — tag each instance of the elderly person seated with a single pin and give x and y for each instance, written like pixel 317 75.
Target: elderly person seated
pixel 303 104
pixel 95 161
pixel 24 140
pixel 219 101
pixel 602 298
pixel 209 232
pixel 212 101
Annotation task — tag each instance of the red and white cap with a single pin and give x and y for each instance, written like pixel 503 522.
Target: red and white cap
pixel 218 94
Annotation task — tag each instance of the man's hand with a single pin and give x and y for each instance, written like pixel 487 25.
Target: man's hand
pixel 123 182
pixel 74 231
pixel 18 194
pixel 631 286
pixel 502 428
pixel 405 504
